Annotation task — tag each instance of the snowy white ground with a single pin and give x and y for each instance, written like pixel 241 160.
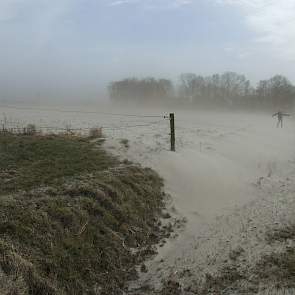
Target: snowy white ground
pixel 232 177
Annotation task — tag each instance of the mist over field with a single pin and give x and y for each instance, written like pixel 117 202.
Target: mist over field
pixel 53 51
pixel 106 76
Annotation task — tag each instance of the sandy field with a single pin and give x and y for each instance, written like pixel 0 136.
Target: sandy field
pixel 231 179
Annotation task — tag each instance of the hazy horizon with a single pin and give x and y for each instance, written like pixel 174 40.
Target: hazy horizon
pixel 71 50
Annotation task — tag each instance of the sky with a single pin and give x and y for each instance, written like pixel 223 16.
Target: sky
pixel 72 49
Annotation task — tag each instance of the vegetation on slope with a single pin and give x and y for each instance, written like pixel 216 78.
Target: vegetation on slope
pixel 30 161
pixel 73 219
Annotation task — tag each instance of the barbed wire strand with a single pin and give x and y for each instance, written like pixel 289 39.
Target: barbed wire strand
pixel 19 126
pixel 82 112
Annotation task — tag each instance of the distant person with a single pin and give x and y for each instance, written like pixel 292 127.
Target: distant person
pixel 280 116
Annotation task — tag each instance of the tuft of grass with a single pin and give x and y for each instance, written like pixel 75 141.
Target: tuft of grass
pixel 125 143
pixel 281 234
pixel 278 267
pixel 30 129
pixel 95 133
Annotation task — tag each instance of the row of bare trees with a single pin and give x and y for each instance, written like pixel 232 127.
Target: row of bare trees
pixel 228 90
pixel 144 90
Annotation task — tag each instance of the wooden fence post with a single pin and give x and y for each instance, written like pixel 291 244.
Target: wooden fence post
pixel 172 132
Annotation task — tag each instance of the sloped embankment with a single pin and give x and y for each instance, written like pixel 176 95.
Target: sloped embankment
pixel 74 220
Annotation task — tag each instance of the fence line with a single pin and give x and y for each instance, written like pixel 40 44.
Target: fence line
pixel 81 112
pixel 19 127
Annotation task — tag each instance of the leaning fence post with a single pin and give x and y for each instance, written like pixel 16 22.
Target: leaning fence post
pixel 172 132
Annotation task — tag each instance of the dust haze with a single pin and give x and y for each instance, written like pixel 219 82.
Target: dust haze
pixel 225 69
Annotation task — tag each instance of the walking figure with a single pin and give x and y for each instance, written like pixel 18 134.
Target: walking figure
pixel 280 116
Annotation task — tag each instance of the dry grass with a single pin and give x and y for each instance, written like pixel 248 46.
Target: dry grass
pixel 125 143
pixel 27 161
pixel 95 133
pixel 68 226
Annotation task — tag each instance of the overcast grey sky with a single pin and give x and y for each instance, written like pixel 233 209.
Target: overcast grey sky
pixel 73 48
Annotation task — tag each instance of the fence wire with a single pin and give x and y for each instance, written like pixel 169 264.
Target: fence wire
pixel 81 112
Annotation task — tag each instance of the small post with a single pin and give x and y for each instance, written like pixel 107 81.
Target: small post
pixel 172 132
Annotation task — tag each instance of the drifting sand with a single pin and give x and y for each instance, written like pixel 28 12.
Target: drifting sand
pixel 232 178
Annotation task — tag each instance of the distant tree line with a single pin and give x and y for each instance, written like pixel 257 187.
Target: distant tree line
pixel 144 90
pixel 223 90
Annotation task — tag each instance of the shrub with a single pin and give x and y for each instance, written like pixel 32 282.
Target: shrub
pixel 30 129
pixel 95 132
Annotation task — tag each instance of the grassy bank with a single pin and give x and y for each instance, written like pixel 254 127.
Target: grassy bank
pixel 30 161
pixel 74 220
